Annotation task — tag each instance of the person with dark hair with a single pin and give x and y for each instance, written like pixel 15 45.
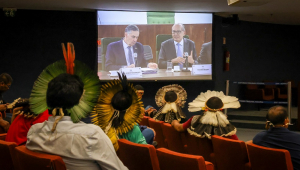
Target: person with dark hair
pixel 278 136
pixel 170 99
pixel 173 49
pixel 149 110
pixel 212 121
pixel 127 52
pixel 5 83
pixel 69 90
pixel 147 132
pixel 118 112
pixel 22 119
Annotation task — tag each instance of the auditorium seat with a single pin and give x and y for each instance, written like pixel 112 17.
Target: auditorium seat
pixel 174 139
pixel 3 136
pixel 7 155
pixel 104 43
pixel 144 121
pixel 200 146
pixel 263 158
pixel 137 156
pixel 280 91
pixel 2 130
pixel 254 93
pixel 159 138
pixel 30 160
pixel 170 160
pixel 230 154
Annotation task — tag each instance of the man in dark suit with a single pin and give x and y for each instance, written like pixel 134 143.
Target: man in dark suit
pixel 126 52
pixel 174 48
pixel 205 54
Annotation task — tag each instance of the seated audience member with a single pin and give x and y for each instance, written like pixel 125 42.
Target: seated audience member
pixel 170 99
pixel 5 82
pixel 212 121
pixel 118 111
pixel 147 132
pixel 22 120
pixel 71 94
pixel 127 52
pixel 149 111
pixel 278 136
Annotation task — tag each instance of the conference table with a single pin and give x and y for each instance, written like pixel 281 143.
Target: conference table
pixel 161 74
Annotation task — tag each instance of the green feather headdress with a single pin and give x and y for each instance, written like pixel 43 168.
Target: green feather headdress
pixel 91 88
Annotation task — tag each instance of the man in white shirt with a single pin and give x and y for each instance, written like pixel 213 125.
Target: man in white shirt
pixel 81 146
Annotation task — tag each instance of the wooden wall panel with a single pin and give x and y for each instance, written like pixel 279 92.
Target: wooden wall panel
pixel 199 33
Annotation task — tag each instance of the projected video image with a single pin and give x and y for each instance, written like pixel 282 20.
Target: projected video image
pixel 155 45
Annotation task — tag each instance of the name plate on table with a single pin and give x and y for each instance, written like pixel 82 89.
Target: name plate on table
pixel 132 72
pixel 201 69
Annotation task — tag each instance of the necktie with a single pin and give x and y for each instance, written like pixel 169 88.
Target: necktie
pixel 130 56
pixel 179 54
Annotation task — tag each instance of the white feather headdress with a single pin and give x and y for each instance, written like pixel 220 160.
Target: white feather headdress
pixel 199 102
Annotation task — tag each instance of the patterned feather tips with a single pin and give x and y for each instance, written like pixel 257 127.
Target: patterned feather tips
pixel 103 111
pixel 89 97
pixel 228 101
pixel 181 95
pixel 69 56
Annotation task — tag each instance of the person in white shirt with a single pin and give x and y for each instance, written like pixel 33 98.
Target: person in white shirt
pixel 81 146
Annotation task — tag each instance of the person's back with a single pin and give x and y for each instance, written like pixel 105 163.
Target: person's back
pixel 69 89
pixel 278 136
pixel 81 146
pixel 20 126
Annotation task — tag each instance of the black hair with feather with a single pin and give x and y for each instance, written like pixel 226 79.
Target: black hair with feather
pixel 121 101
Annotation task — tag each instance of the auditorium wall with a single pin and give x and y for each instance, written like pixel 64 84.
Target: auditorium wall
pixel 31 40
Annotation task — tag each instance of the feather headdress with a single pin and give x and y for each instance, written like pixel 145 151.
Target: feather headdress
pixel 200 102
pixel 170 106
pixel 104 112
pixel 90 80
pixel 213 120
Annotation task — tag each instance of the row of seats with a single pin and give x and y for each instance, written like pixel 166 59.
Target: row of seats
pixel 13 157
pixel 225 154
pixel 222 152
pixel 146 157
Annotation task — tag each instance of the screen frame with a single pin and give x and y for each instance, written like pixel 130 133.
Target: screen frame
pixel 213 65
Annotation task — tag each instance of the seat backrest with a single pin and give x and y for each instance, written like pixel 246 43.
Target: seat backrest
pixel 137 156
pixel 7 156
pixel 159 138
pixel 144 121
pixel 148 53
pixel 161 38
pixel 263 158
pixel 173 138
pixel 2 130
pixel 252 86
pixel 3 136
pixel 229 154
pixel 192 145
pixel 173 160
pixel 104 43
pixel 29 160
